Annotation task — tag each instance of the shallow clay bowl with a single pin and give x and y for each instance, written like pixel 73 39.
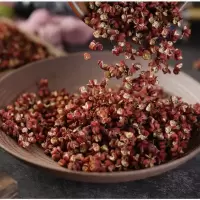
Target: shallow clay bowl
pixel 70 73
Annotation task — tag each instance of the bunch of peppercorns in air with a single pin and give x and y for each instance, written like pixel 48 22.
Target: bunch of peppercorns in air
pixel 146 29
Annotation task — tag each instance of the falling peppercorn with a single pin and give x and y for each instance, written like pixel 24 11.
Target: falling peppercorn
pixel 139 29
pixel 87 56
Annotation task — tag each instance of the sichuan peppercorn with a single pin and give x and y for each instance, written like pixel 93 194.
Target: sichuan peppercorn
pixel 102 129
pixel 146 29
pixel 109 132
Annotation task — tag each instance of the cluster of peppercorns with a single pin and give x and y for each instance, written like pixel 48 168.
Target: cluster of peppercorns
pixel 17 49
pixel 146 29
pixel 100 129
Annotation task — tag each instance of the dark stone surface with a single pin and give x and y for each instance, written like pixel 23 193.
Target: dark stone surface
pixel 183 182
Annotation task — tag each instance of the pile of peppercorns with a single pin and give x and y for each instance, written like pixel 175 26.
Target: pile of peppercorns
pixel 101 129
pixel 17 49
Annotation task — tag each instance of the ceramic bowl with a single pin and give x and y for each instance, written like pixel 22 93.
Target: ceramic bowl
pixel 72 72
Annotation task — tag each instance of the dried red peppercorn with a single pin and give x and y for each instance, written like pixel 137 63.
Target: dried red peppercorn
pixel 102 129
pixel 113 133
pixel 152 27
pixel 87 56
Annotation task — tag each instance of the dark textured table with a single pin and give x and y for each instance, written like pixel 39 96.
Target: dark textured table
pixel 183 182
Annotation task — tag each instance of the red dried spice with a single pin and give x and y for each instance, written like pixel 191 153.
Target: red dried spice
pixel 146 29
pixel 87 56
pixel 17 49
pixel 101 129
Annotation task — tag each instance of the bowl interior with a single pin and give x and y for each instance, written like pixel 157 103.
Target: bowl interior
pixel 72 72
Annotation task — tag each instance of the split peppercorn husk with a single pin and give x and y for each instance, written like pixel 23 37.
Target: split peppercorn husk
pixel 145 29
pixel 17 49
pixel 100 129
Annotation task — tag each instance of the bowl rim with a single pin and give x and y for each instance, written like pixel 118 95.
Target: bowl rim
pixel 169 165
